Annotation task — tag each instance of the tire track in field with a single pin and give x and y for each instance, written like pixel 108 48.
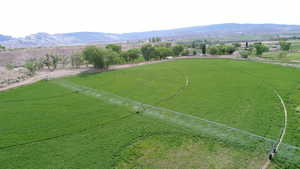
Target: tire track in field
pixel 176 93
pixel 179 91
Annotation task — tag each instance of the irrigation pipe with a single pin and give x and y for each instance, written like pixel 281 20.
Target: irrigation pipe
pixel 283 131
pixel 275 150
pixel 285 121
pixel 163 113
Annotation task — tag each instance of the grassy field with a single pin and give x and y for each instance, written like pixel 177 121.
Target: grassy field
pixel 283 56
pixel 295 45
pixel 50 126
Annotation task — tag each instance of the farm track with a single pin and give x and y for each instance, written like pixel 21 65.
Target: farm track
pixel 69 72
pixel 179 91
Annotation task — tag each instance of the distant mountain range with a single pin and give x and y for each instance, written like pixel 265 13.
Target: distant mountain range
pixel 5 38
pixel 218 30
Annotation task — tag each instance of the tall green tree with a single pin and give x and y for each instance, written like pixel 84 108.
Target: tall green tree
pixel 285 45
pixel 185 52
pixel 194 44
pixel 148 52
pixel 110 57
pixel 203 48
pixel 177 50
pixel 114 47
pixel 245 53
pixel 247 45
pixel 94 56
pixel 237 45
pixel 131 54
pixel 213 50
pixel 230 49
pixel 260 48
pixel 164 52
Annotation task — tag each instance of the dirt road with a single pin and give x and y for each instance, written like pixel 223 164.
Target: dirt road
pixel 68 72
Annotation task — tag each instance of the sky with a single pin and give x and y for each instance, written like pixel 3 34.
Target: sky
pixel 23 17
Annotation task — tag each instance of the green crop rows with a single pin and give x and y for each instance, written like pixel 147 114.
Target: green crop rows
pixel 45 125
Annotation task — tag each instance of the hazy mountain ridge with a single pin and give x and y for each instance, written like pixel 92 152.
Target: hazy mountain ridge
pixel 45 39
pixel 5 38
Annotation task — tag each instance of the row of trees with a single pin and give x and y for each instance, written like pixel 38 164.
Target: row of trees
pixel 256 49
pixel 202 45
pixel 152 52
pixel 113 54
pixel 221 49
pixel 155 39
pixel 50 61
pixel 101 58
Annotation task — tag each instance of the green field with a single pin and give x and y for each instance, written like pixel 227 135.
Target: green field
pixel 282 56
pixel 81 121
pixel 295 45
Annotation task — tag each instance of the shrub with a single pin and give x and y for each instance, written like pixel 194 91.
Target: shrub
pixel 237 45
pixel 260 49
pixel 221 50
pixel 164 52
pixel 282 55
pixel 110 57
pixel 76 60
pixel 114 47
pixel 94 56
pixel 245 53
pixel 186 52
pixel 229 49
pixel 119 60
pixel 51 61
pixel 131 54
pixel 140 59
pixel 194 52
pixel 148 52
pixel 32 65
pixel 285 45
pixel 177 50
pixel 213 50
